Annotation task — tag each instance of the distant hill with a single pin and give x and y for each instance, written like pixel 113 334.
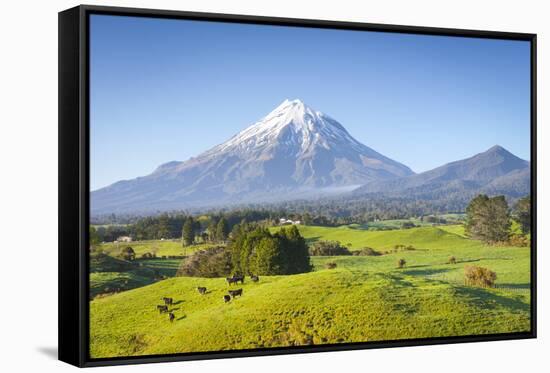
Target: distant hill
pixel 495 171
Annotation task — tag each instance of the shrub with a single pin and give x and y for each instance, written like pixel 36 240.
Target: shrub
pixel 212 262
pixel 147 256
pixel 401 263
pixel 398 248
pixel 366 251
pixel 479 276
pixel 452 260
pixel 407 225
pixel 328 248
pixel 519 240
pixel 330 265
pixel 128 253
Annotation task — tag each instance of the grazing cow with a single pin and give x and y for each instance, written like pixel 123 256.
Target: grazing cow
pixel 226 298
pixel 162 309
pixel 230 280
pixel 201 290
pixel 234 293
pixel 254 278
pixel 171 316
pixel 168 301
pixel 235 279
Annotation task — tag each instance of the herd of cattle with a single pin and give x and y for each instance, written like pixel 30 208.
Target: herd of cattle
pixel 202 291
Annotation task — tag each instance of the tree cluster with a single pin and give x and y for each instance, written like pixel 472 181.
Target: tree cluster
pixel 522 214
pixel 328 248
pixel 488 219
pixel 254 250
pixel 212 262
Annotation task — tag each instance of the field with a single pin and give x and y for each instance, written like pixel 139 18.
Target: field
pixel 396 223
pixel 160 247
pixel 363 299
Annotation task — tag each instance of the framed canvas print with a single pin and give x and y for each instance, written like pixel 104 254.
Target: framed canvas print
pixel 235 186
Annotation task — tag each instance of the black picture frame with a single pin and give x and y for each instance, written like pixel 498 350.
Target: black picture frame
pixel 74 182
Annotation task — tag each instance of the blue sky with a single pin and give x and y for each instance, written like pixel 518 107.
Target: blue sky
pixel 164 90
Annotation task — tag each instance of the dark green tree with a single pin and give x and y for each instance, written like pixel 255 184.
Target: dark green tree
pixel 268 258
pixel 188 232
pixel 522 214
pixel 163 228
pixel 212 225
pixel 296 253
pixel 488 219
pixel 94 238
pixel 248 249
pixel 128 253
pixel 222 230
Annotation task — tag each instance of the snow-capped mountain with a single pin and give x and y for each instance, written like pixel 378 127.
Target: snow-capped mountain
pixel 293 152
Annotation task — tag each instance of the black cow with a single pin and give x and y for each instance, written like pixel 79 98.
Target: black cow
pixel 171 316
pixel 231 280
pixel 162 309
pixel 239 278
pixel 226 298
pixel 254 278
pixel 235 279
pixel 236 292
pixel 201 290
pixel 168 301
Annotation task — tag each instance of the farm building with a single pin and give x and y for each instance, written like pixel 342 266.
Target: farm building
pixel 124 239
pixel 283 221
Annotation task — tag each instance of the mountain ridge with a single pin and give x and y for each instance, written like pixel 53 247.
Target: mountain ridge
pixel 495 170
pixel 294 149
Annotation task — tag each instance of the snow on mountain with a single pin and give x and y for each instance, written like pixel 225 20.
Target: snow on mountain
pixel 294 150
pixel 311 128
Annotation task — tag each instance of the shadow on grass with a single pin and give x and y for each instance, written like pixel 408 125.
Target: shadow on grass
pixel 514 286
pixel 418 266
pixel 312 239
pixel 425 272
pixel 483 298
pixel 361 227
pixel 467 261
pixel 399 280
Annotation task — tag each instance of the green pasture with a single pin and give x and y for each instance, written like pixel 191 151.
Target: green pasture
pixel 160 247
pixel 108 274
pixel 363 299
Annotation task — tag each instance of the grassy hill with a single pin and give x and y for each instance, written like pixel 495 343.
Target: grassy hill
pixel 162 248
pixel 356 237
pixel 108 274
pixel 363 299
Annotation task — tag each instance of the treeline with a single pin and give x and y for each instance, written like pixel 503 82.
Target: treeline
pixel 322 212
pixel 212 227
pixel 489 219
pixel 215 227
pixel 206 227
